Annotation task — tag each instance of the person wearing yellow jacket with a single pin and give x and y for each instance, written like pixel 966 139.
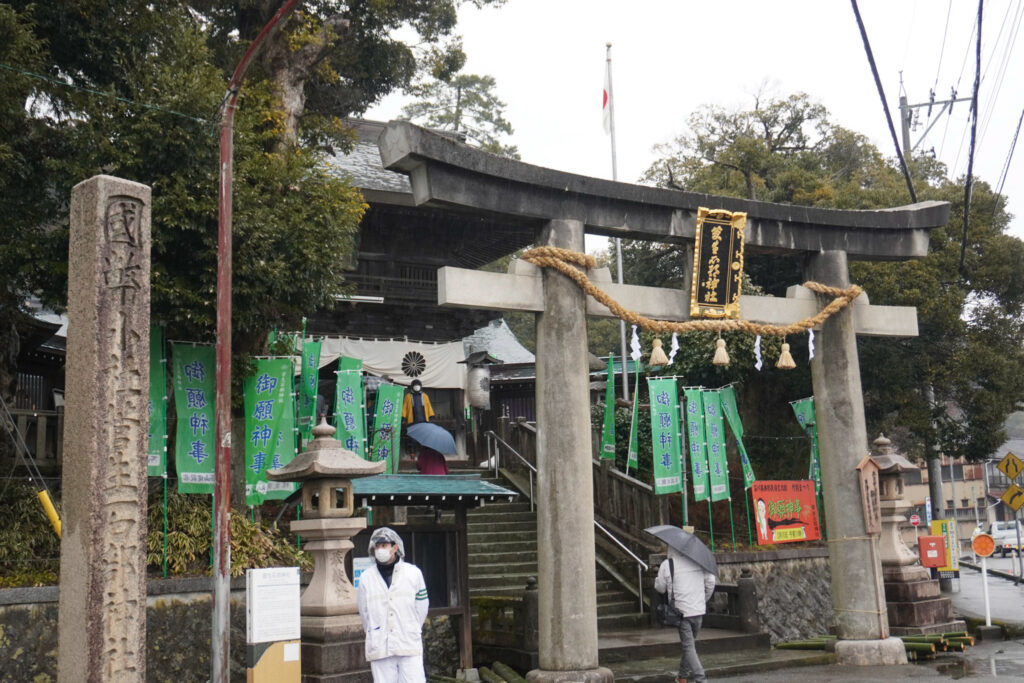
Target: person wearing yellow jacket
pixel 416 406
pixel 392 602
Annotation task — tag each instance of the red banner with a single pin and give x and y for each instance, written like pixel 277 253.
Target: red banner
pixel 785 511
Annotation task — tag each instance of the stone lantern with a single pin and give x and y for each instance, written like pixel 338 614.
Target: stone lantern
pixel 913 601
pixel 891 465
pixel 326 470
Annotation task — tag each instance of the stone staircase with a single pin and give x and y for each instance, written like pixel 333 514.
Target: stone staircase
pixel 503 555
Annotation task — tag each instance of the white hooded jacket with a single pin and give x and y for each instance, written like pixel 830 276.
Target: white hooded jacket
pixel 393 617
pixel 692 588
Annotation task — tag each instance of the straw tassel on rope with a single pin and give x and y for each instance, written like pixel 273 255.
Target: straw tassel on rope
pixel 785 358
pixel 658 356
pixel 721 354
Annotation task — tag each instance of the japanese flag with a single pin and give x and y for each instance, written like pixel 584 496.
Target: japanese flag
pixel 606 106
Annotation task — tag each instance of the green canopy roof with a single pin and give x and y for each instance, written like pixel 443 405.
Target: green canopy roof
pixel 448 490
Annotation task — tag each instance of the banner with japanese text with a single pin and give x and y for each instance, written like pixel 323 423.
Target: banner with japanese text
pixel 269 427
pixel 695 442
pixel 804 411
pixel 350 411
pixel 665 438
pixel 194 392
pixel 387 425
pixel 633 454
pixel 714 436
pixel 785 511
pixel 732 414
pixel 308 386
pixel 608 427
pixel 156 459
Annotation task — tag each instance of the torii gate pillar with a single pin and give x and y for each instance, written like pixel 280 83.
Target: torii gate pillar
pixel 565 530
pixel 858 595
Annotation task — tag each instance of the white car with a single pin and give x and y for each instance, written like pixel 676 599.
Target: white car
pixel 1005 536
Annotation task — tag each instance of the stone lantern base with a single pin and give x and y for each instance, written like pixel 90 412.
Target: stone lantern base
pixel 915 603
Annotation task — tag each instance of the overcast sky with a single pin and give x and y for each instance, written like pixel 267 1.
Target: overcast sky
pixel 670 57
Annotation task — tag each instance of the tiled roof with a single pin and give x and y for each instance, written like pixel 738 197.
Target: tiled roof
pixel 498 340
pixel 363 163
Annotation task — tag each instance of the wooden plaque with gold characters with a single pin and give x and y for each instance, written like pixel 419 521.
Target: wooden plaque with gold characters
pixel 717 264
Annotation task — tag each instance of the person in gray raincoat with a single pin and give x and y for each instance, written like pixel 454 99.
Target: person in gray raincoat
pixel 392 601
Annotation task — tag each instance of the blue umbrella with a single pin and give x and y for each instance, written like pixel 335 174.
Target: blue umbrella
pixel 432 436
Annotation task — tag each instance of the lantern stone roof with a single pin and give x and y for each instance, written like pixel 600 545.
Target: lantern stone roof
pixel 887 459
pixel 442 490
pixel 325 458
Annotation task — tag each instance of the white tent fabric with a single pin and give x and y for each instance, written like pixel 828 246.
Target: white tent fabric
pixel 440 362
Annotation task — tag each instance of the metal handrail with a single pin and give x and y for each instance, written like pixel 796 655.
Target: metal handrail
pixel 497 458
pixel 641 566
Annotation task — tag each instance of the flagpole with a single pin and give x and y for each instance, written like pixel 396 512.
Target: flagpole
pixel 618 241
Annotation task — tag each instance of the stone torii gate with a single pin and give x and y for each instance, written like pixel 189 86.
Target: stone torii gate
pixel 562 206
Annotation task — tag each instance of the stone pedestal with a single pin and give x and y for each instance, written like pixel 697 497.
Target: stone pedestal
pixel 887 651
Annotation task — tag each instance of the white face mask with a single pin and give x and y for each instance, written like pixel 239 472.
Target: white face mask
pixel 382 554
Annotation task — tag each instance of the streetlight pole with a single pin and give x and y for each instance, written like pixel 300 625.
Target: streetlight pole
pixel 220 641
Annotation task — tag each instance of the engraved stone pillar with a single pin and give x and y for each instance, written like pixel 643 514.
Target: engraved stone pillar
pixel 102 617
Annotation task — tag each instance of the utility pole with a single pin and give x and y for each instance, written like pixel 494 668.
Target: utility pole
pixel 907 116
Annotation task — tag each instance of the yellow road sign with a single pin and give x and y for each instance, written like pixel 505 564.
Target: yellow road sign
pixel 1011 466
pixel 1014 497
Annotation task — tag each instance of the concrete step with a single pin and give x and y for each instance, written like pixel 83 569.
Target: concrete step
pixel 497 591
pixel 719 664
pixel 503 557
pixel 519 566
pixel 490 547
pixel 616 606
pixel 618 622
pixel 526 526
pixel 645 642
pixel 501 516
pixel 499 580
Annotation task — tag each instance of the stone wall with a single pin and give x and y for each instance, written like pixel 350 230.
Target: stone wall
pixel 794 590
pixel 178 626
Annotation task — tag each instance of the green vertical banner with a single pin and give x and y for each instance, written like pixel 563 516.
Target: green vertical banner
pixel 285 442
pixel 714 435
pixel 665 438
pixel 194 391
pixel 387 425
pixel 156 460
pixel 308 387
pixel 804 411
pixel 732 414
pixel 269 424
pixel 695 441
pixel 608 428
pixel 350 411
pixel 633 454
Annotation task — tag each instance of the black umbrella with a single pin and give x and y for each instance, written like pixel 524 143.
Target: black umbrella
pixel 686 544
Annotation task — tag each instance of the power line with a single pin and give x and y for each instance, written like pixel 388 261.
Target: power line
pixel 885 105
pixel 942 51
pixel 1006 166
pixel 100 93
pixel 968 186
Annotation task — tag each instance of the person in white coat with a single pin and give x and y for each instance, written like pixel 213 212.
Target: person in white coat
pixel 690 591
pixel 392 601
